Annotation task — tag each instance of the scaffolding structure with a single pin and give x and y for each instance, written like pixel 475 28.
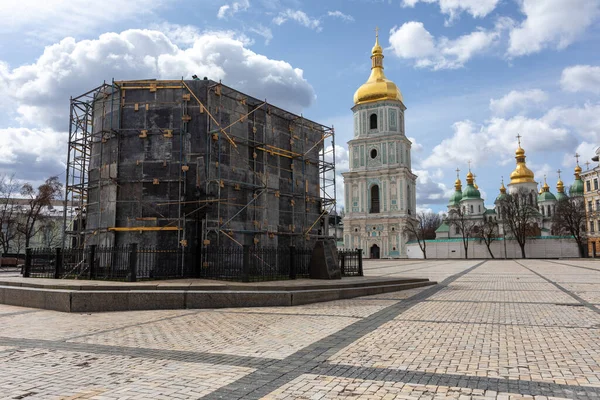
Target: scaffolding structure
pixel 195 160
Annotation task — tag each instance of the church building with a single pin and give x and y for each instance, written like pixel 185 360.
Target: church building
pixel 379 187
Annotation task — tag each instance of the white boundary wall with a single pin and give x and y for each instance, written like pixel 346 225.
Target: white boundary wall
pixel 534 248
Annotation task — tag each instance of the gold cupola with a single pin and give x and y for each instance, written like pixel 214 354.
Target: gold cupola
pixel 377 87
pixel 521 174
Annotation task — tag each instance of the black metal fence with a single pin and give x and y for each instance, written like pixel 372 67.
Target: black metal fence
pixel 132 263
pixel 350 262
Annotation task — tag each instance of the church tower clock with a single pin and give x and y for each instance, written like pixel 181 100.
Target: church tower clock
pixel 379 186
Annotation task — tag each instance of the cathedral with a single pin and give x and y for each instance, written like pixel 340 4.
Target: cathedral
pixel 379 187
pixel 521 179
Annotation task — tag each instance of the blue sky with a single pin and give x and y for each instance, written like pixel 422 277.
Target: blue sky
pixel 473 73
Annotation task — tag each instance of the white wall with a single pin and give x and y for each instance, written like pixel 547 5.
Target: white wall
pixel 534 248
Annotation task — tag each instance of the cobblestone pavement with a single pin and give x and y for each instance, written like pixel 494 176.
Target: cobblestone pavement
pixel 523 329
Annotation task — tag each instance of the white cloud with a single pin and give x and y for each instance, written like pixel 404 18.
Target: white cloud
pixel 581 78
pixel 341 15
pixel 298 16
pixel 413 41
pixel 495 141
pixel 586 151
pixel 429 189
pixel 453 8
pixel 518 100
pixel 231 9
pixel 32 154
pixel 551 23
pixel 264 32
pixel 40 91
pixel 584 120
pixel 49 20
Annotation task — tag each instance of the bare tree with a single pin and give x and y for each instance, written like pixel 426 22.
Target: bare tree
pixel 423 228
pixel 569 219
pixel 488 232
pixel 9 188
pixel 464 224
pixel 520 216
pixel 37 200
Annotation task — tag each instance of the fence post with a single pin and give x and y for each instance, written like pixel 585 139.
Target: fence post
pixel 360 267
pixel 246 264
pixel 342 257
pixel 198 264
pixel 292 262
pixel 133 262
pixel 57 263
pixel 92 261
pixel 27 269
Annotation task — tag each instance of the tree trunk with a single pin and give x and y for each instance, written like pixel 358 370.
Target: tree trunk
pixel 522 250
pixel 466 246
pixel 581 249
pixel 489 249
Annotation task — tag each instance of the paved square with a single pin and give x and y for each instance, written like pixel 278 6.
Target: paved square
pixel 520 329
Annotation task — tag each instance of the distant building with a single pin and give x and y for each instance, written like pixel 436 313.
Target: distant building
pixel 591 195
pixel 521 179
pixel 379 186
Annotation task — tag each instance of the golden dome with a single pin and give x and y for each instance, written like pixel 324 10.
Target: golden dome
pixel 521 174
pixel 577 171
pixel 503 188
pixel 560 186
pixel 458 185
pixel 470 178
pixel 377 87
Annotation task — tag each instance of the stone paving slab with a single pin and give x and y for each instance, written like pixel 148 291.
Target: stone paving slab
pixel 557 355
pixel 50 374
pixel 503 296
pixel 311 386
pixel 503 314
pixel 497 329
pixel 255 335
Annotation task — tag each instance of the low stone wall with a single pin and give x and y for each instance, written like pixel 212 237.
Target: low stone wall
pixel 534 248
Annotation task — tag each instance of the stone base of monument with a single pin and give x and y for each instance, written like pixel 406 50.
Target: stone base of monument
pixel 92 296
pixel 324 261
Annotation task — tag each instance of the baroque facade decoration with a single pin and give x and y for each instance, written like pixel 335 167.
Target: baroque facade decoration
pixel 379 187
pixel 522 179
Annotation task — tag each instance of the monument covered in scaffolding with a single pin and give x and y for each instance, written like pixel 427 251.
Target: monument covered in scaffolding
pixel 185 162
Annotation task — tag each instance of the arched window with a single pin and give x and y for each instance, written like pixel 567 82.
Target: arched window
pixel 479 207
pixel 373 121
pixel 374 199
pixel 549 211
pixel 530 199
pixel 542 209
pixel 471 208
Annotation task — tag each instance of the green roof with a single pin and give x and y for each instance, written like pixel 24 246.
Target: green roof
pixel 500 197
pixel 576 188
pixel 546 196
pixel 443 228
pixel 471 193
pixel 561 196
pixel 489 211
pixel 455 198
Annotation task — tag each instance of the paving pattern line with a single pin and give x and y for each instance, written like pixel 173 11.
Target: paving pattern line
pixel 529 388
pixel 565 290
pixel 150 353
pixel 571 265
pixel 313 357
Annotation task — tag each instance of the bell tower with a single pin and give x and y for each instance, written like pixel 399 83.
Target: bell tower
pixel 379 187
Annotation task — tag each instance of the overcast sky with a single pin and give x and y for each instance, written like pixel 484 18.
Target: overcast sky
pixel 473 73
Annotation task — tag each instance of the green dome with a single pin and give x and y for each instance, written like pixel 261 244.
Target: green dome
pixel 501 196
pixel 470 193
pixel 576 188
pixel 561 196
pixel 455 198
pixel 546 196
